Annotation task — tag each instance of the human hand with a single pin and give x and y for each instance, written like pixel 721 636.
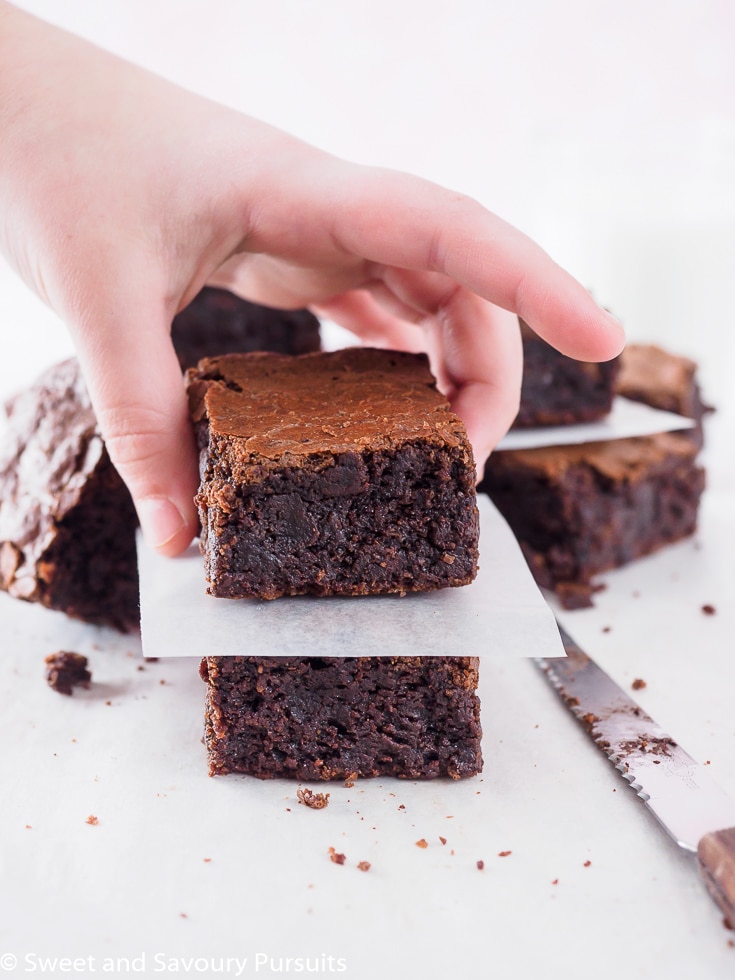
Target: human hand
pixel 122 195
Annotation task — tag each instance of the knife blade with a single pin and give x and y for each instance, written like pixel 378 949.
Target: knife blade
pixel 678 791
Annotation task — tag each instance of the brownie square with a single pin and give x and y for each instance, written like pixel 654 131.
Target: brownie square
pixel 341 473
pixel 67 522
pixel 558 390
pixel 660 379
pixel 218 322
pixel 583 509
pixel 332 718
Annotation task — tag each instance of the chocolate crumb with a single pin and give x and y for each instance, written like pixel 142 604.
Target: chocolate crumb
pixel 555 881
pixel 480 865
pixel 504 854
pixel 587 864
pixel 92 820
pixel 350 779
pixel 575 595
pixel 606 629
pixel 335 857
pixel 66 670
pixel 364 865
pixel 638 684
pixel 443 840
pixel 708 609
pixel 422 843
pixel 316 801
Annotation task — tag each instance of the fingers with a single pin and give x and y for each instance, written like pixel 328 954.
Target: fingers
pixel 376 326
pixel 137 390
pixel 479 348
pixel 421 226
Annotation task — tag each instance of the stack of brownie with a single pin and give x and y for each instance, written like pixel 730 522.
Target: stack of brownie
pixel 582 509
pixel 370 489
pixel 339 474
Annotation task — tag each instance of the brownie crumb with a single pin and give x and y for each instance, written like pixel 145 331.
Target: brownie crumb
pixel 335 857
pixel 316 801
pixel 92 820
pixel 504 854
pixel 65 670
pixel 574 595
pixel 350 779
pixel 443 840
pixel 606 629
pixel 587 864
pixel 480 865
pixel 364 865
pixel 708 609
pixel 638 684
pixel 422 843
pixel 555 881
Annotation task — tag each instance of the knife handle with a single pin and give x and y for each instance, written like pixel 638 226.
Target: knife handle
pixel 716 853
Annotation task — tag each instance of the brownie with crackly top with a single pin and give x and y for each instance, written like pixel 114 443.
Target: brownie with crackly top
pixel 342 473
pixel 579 510
pixel 559 390
pixel 333 718
pixel 661 379
pixel 67 521
pixel 218 322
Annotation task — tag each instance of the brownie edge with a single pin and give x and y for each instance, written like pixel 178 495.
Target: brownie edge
pixel 334 718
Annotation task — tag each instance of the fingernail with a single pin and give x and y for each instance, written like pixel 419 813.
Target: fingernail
pixel 160 519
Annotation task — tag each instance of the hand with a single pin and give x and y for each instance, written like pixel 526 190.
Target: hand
pixel 122 195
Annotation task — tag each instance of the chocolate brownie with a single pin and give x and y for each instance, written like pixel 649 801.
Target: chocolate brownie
pixel 339 473
pixel 656 377
pixel 218 322
pixel 558 390
pixel 67 522
pixel 583 509
pixel 332 718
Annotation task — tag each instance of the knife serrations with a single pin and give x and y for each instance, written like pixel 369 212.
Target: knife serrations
pixel 678 790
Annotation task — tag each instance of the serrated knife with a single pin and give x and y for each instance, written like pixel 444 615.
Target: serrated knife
pixel 679 792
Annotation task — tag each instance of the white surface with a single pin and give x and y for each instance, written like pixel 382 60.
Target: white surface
pixel 607 132
pixel 498 616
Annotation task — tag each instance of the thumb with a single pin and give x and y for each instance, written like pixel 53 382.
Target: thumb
pixel 137 390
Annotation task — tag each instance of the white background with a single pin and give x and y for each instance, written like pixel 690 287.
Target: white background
pixel 607 132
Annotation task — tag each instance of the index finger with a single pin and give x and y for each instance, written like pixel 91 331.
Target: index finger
pixel 422 226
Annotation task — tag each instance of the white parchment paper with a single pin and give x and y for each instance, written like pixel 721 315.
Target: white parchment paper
pixel 501 614
pixel 626 419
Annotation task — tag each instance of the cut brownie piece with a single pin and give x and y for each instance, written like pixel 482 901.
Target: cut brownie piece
pixel 332 718
pixel 218 322
pixel 583 509
pixel 656 377
pixel 332 474
pixel 557 390
pixel 67 522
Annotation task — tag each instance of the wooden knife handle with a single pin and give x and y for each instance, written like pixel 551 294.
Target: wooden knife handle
pixel 716 853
